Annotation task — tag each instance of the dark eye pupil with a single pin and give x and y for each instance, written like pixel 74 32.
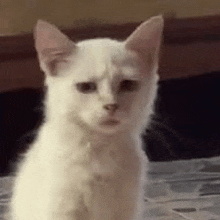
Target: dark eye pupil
pixel 86 87
pixel 128 86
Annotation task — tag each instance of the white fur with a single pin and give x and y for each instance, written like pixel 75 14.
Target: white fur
pixel 78 168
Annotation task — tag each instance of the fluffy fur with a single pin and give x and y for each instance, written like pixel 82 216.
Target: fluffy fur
pixel 87 162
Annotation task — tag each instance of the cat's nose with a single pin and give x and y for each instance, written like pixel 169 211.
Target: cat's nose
pixel 111 107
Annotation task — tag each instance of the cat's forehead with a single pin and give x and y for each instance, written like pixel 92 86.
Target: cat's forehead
pixel 105 58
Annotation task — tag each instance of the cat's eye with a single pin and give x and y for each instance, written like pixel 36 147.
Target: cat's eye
pixel 86 87
pixel 129 86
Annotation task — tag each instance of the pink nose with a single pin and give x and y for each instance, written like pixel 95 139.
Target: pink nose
pixel 111 107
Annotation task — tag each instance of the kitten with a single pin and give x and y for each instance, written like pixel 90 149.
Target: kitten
pixel 87 161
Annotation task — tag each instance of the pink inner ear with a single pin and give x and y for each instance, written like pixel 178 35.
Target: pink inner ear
pixel 52 46
pixel 146 39
pixel 48 36
pixel 52 57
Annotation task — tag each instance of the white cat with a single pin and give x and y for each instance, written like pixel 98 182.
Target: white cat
pixel 87 162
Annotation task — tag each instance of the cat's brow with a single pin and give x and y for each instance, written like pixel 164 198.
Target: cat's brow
pixel 116 77
pixel 125 62
pixel 92 78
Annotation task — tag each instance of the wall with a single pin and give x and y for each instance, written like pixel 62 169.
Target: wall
pixel 17 16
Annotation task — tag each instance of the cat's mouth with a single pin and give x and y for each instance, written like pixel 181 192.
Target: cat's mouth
pixel 110 122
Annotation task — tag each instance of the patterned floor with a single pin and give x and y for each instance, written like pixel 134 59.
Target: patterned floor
pixel 175 191
pixel 184 190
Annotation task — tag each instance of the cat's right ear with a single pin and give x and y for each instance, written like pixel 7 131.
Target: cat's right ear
pixel 53 47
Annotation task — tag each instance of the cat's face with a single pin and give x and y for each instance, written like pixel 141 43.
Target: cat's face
pixel 102 84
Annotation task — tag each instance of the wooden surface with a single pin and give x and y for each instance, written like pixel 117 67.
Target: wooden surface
pixel 176 31
pixel 191 47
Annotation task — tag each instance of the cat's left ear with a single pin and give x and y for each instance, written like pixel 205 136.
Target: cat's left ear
pixel 146 39
pixel 52 46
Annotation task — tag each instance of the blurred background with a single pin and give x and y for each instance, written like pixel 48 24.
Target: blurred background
pixel 18 16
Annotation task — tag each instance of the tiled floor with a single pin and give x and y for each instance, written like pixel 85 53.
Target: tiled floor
pixel 175 190
pixel 184 190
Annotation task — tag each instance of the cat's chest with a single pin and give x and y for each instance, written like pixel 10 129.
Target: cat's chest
pixel 112 163
pixel 104 163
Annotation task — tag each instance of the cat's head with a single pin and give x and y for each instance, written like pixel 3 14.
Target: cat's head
pixel 102 84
